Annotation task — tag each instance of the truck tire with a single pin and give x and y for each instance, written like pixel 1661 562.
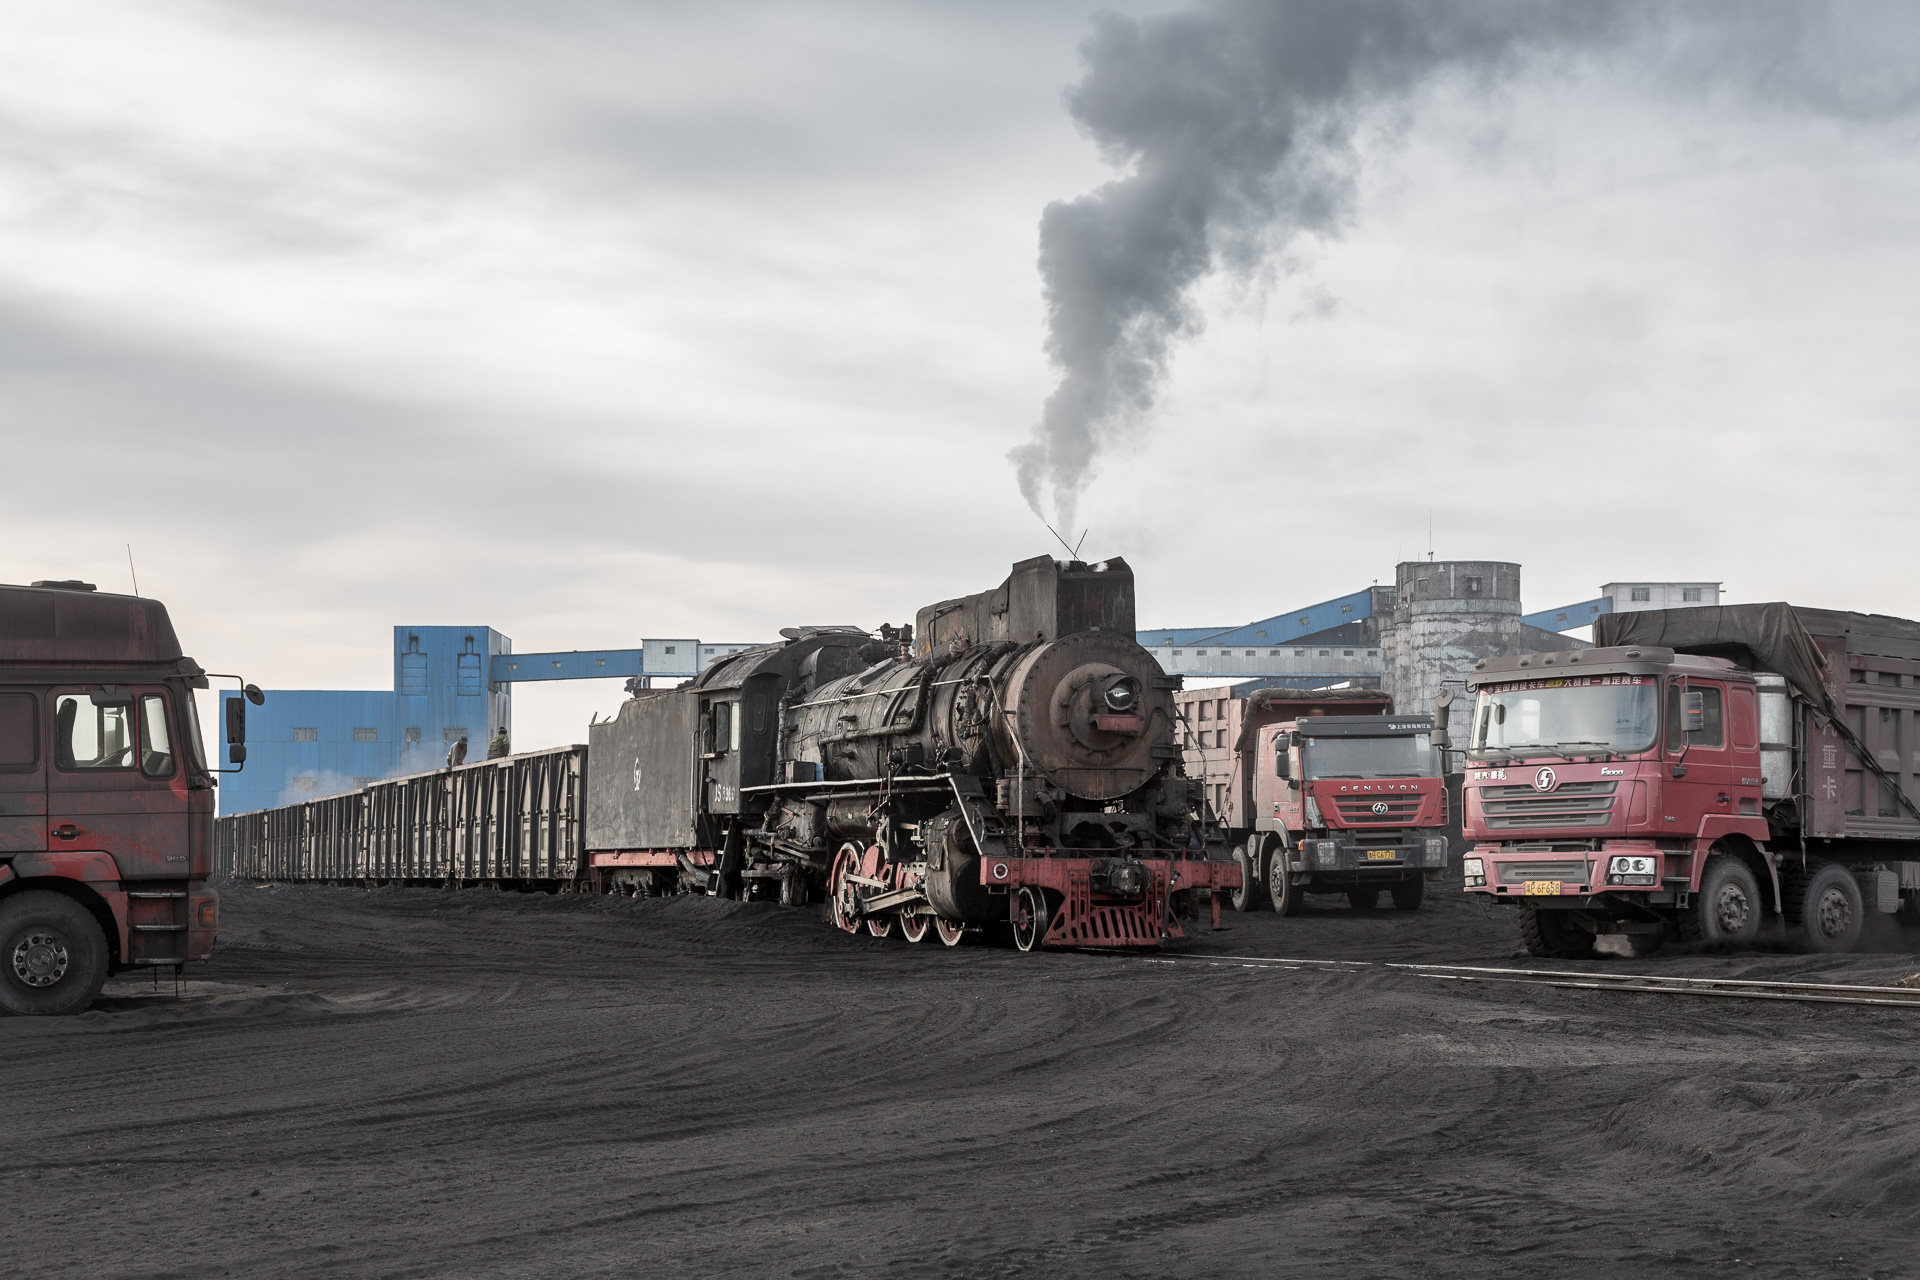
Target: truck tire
pixel 1831 909
pixel 1247 896
pixel 1554 934
pixel 1287 897
pixel 53 956
pixel 1409 894
pixel 1728 909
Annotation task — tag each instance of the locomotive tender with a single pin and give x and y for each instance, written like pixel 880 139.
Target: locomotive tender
pixel 1011 757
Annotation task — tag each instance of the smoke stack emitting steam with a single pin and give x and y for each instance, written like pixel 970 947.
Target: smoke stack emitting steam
pixel 1236 121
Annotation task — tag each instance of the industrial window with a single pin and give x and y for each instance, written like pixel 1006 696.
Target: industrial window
pixel 709 653
pixel 1642 593
pixel 413 733
pixel 1221 714
pixel 363 782
pixel 1473 586
pixel 669 648
pixel 90 737
pixel 308 734
pixel 599 662
pixel 19 732
pixel 1373 653
pixel 1690 595
pixel 1206 711
pixel 1199 653
pixel 467 678
pixel 366 735
pixel 1326 653
pixel 1346 653
pixel 1179 653
pixel 1252 654
pixel 413 675
pixel 156 745
pixel 1273 653
pixel 452 733
pixel 1346 608
pixel 306 782
pixel 513 666
pixel 1299 653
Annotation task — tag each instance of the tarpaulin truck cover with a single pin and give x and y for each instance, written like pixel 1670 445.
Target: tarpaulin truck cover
pixel 1760 637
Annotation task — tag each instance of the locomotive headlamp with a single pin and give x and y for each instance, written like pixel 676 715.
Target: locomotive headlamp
pixel 1122 695
pixel 1632 869
pixel 1475 871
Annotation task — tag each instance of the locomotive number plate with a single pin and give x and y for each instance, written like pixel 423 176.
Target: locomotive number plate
pixel 1382 855
pixel 1550 888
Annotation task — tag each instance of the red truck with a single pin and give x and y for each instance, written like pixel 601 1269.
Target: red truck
pixel 1318 791
pixel 106 795
pixel 1699 772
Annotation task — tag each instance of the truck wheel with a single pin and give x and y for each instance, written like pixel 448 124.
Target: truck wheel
pixel 1555 934
pixel 1363 899
pixel 1726 912
pixel 1247 896
pixel 1831 911
pixel 1287 897
pixel 1409 894
pixel 53 957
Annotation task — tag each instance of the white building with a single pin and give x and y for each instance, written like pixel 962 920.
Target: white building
pixel 1634 597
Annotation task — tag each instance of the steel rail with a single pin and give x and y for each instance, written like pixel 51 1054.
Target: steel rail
pixel 1630 983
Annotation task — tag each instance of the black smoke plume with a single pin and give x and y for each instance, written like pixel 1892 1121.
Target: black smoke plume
pixel 1235 123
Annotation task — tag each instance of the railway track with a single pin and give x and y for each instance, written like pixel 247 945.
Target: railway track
pixel 1628 983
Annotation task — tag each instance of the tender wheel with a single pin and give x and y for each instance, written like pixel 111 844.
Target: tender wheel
pixel 843 899
pixel 950 931
pixel 793 888
pixel 1286 897
pixel 1727 910
pixel 1831 910
pixel 1409 894
pixel 1554 933
pixel 1247 896
pixel 1029 918
pixel 916 928
pixel 1363 899
pixel 53 956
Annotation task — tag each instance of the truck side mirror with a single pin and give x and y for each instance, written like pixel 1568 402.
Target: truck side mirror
pixel 1282 762
pixel 1694 712
pixel 236 723
pixel 254 695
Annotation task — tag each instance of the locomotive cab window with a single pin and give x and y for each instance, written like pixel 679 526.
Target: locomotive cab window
pixel 723 729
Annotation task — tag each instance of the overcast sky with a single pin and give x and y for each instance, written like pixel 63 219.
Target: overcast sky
pixel 599 321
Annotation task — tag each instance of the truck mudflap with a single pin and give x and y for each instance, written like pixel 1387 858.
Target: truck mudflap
pixel 1099 904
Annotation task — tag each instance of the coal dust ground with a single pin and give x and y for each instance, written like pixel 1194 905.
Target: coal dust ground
pixel 405 1082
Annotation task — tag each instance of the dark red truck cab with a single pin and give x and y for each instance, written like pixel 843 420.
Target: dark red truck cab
pixel 106 796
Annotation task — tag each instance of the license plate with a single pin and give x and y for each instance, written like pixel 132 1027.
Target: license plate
pixel 1551 888
pixel 1382 855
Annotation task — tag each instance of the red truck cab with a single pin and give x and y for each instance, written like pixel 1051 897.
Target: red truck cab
pixel 1599 786
pixel 106 796
pixel 1318 791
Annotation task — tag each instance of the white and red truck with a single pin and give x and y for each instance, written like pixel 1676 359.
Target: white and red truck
pixel 1318 791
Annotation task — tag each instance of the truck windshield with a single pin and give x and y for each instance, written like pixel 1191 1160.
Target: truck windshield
pixel 1570 716
pixel 1402 756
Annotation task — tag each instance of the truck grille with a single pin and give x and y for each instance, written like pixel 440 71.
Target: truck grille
pixel 1358 810
pixel 1573 804
pixel 1517 872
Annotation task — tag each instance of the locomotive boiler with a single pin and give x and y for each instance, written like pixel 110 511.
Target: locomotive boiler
pixel 1011 757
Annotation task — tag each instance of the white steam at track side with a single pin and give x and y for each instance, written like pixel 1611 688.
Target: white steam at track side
pixel 1236 123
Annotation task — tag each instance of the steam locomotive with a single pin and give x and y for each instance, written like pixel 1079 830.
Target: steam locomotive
pixel 1011 757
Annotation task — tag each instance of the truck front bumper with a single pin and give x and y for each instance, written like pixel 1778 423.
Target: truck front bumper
pixel 1632 869
pixel 1387 856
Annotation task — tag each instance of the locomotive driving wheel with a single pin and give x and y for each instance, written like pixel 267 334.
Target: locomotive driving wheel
pixel 915 928
pixel 873 867
pixel 950 931
pixel 843 900
pixel 1029 918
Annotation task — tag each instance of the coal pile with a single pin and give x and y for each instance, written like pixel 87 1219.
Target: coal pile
pixel 420 1083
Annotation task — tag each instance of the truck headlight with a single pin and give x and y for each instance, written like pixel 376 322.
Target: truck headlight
pixel 1436 851
pixel 1633 869
pixel 1326 853
pixel 1475 871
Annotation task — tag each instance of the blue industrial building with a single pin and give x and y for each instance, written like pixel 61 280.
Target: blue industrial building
pixel 448 683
